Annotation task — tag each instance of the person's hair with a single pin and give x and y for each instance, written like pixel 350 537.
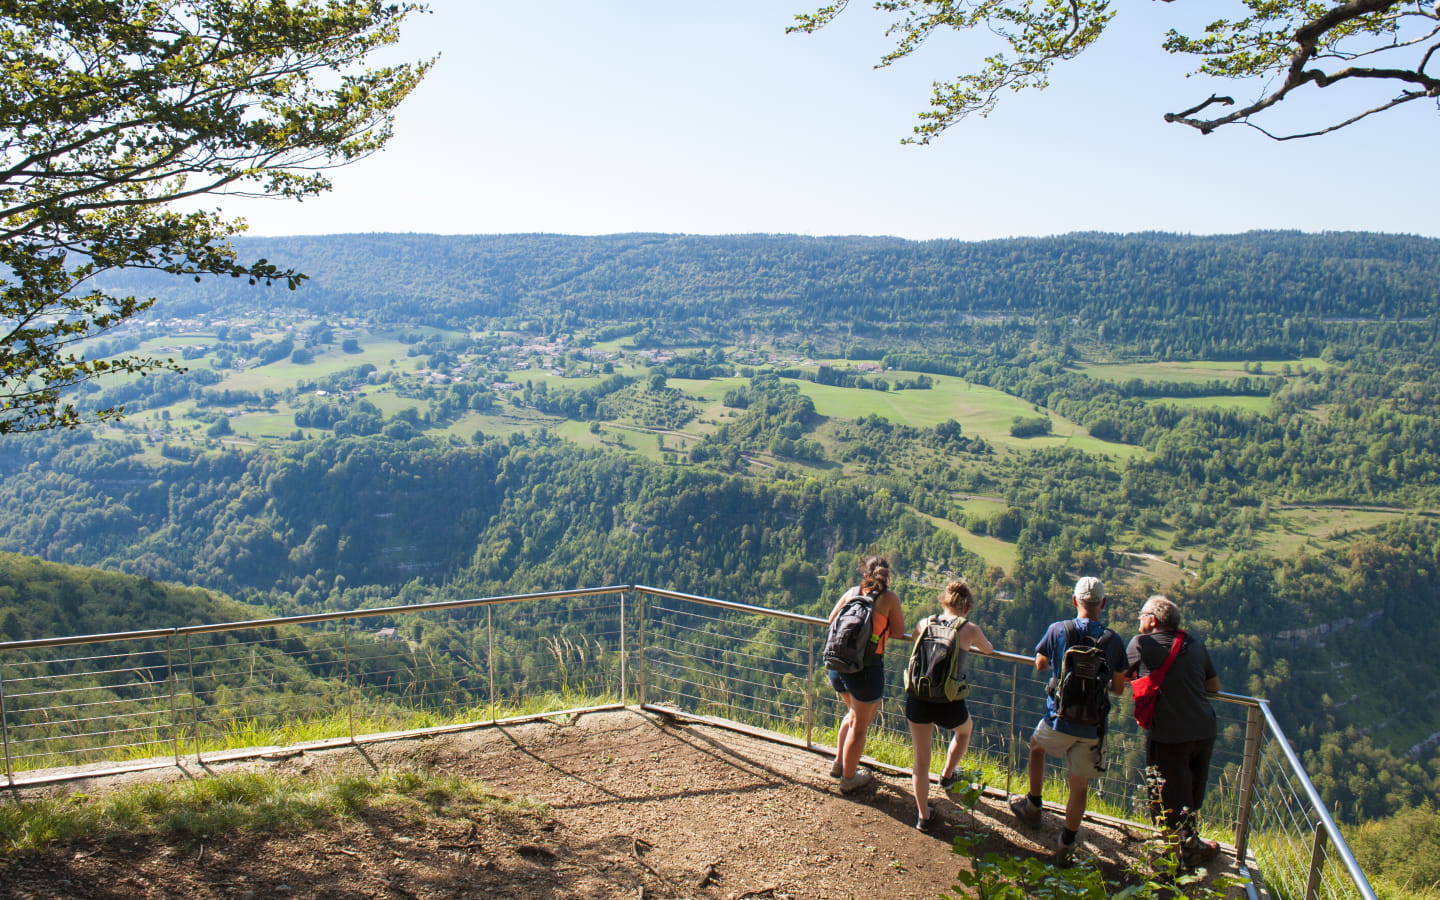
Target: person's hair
pixel 1166 613
pixel 957 598
pixel 875 575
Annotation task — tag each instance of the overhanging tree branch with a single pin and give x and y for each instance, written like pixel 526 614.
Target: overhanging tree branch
pixel 1287 45
pixel 113 109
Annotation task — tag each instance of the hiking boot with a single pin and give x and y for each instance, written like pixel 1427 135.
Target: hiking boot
pixel 1064 853
pixel 1027 812
pixel 860 779
pixel 836 770
pixel 1197 852
pixel 926 824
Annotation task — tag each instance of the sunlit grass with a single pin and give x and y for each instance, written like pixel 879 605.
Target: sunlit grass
pixel 994 551
pixel 1198 371
pixel 1257 405
pixel 286 731
pixel 240 802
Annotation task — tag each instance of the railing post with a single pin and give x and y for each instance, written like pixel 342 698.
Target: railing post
pixel 810 690
pixel 194 701
pixel 1317 862
pixel 641 673
pixel 490 656
pixel 1249 773
pixel 170 679
pixel 5 731
pixel 349 687
pixel 624 693
pixel 1014 734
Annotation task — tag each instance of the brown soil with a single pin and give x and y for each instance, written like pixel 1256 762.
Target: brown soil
pixel 636 805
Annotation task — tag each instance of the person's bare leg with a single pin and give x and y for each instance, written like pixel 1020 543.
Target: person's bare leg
pixel 958 745
pixel 844 732
pixel 1037 769
pixel 862 714
pixel 1075 803
pixel 921 737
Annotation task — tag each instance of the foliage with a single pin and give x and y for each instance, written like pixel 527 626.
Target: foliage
pixel 997 876
pixel 1405 847
pixel 113 111
pixel 1283 45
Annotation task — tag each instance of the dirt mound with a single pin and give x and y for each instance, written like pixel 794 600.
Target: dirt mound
pixel 637 805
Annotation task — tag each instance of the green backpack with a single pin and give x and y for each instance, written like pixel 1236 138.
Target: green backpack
pixel 936 672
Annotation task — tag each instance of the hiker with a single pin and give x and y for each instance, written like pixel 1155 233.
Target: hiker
pixel 1180 736
pixel 1087 663
pixel 861 690
pixel 956 601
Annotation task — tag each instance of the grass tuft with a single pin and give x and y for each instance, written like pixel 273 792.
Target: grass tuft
pixel 239 802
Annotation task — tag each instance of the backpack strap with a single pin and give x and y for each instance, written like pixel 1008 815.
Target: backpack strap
pixel 1158 676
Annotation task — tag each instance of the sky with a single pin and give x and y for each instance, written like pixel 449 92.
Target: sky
pixel 676 116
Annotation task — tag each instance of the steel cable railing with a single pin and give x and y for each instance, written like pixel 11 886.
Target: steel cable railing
pixel 123 702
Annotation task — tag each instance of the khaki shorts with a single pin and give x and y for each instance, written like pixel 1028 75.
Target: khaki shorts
pixel 1082 755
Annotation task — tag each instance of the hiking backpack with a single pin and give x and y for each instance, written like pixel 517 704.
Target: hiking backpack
pixel 848 644
pixel 1081 689
pixel 936 672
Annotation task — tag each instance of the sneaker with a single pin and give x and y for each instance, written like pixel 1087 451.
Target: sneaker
pixel 1064 853
pixel 948 781
pixel 836 770
pixel 926 823
pixel 860 779
pixel 1197 852
pixel 1025 811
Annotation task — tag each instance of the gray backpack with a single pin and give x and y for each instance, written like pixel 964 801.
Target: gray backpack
pixel 849 646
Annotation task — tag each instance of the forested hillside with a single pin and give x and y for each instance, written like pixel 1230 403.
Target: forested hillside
pixel 1249 422
pixel 1158 294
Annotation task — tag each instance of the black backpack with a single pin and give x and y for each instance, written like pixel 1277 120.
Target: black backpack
pixel 935 673
pixel 1081 689
pixel 848 644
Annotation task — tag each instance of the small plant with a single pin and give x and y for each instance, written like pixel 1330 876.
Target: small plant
pixel 995 876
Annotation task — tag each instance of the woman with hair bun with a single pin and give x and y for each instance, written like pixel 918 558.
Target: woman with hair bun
pixel 861 691
pixel 956 601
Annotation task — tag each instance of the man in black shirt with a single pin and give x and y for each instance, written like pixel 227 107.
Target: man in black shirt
pixel 1181 737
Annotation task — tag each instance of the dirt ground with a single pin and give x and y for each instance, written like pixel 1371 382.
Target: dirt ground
pixel 636 805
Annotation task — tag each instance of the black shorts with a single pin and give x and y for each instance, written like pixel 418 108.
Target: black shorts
pixel 946 715
pixel 866 685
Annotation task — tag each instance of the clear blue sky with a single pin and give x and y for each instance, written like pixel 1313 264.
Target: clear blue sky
pixel 582 117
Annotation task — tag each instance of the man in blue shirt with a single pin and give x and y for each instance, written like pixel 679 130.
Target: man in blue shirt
pixel 1078 743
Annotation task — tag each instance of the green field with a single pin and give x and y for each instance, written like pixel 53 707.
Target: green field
pixel 1197 372
pixel 994 551
pixel 981 411
pixel 1314 526
pixel 1243 404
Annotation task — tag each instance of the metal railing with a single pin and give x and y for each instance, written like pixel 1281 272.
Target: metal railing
pixel 99 704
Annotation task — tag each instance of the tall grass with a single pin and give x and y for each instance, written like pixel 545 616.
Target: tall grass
pixel 240 802
pixel 303 728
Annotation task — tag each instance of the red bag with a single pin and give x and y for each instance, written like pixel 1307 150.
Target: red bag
pixel 1146 689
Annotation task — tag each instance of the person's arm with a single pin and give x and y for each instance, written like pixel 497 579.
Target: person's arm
pixel 896 616
pixel 1118 681
pixel 1049 643
pixel 972 636
pixel 1212 684
pixel 1118 659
